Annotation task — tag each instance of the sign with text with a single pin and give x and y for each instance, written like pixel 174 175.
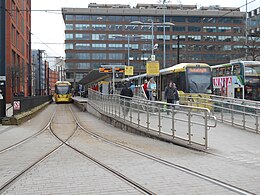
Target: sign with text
pixel 152 68
pixel 129 70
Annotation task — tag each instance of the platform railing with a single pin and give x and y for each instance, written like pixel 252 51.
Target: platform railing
pixel 234 111
pixel 188 124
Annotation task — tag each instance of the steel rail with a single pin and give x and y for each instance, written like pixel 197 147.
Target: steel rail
pixel 7 184
pixel 30 137
pixel 167 163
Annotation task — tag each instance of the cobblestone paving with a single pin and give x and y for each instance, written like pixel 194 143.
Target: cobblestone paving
pixel 66 172
pixel 234 159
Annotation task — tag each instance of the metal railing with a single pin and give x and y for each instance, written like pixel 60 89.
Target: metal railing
pixel 188 124
pixel 236 112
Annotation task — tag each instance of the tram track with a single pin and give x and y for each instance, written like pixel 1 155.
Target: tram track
pixel 119 174
pixel 184 169
pixel 30 137
pixel 64 142
pixel 16 177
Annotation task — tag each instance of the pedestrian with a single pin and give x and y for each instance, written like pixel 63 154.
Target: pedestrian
pixel 152 89
pixel 132 86
pixel 171 94
pixel 126 95
pixel 145 86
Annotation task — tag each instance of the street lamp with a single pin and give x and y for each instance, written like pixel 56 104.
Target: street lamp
pixel 152 25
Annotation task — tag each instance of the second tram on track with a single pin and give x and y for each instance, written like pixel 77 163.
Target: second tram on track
pixel 240 79
pixel 63 92
pixel 193 80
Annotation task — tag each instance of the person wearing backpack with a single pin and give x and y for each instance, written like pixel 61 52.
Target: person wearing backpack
pixel 126 95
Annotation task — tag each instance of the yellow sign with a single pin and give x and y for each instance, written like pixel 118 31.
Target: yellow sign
pixel 129 70
pixel 152 68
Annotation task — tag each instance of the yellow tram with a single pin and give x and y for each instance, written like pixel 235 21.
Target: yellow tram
pixel 63 92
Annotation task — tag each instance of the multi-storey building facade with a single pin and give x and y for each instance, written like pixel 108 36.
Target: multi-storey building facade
pixel 18 48
pixel 39 72
pixel 254 21
pixel 113 34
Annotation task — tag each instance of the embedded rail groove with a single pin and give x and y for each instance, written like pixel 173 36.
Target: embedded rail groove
pixel 30 137
pixel 167 163
pixel 7 184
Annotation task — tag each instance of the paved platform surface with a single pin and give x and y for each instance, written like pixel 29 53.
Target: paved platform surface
pixel 234 157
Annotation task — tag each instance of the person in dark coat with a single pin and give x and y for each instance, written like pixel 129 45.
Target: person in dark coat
pixel 126 95
pixel 171 94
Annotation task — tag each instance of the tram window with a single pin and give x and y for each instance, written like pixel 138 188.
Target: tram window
pixel 228 71
pixel 214 72
pixel 236 70
pixel 222 71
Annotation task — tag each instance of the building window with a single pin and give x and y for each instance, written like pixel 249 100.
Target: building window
pixel 160 37
pixel 209 20
pixel 99 36
pixel 224 20
pixel 99 27
pixel 209 29
pixel 99 46
pixel 194 28
pixel 68 36
pixel 236 29
pixel 224 29
pixel 115 46
pixel 193 38
pixel 115 56
pixel 69 46
pixel 99 56
pixel 69 17
pixel 82 17
pixel 178 19
pixel 69 27
pixel 194 19
pixel 209 38
pixel 82 27
pixel 131 27
pixel 224 38
pixel 83 36
pixel 82 46
pixel 84 65
pixel 239 38
pixel 179 28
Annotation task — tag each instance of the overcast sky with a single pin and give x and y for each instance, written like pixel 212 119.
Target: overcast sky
pixel 48 27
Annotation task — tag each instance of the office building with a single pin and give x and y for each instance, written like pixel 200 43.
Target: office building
pixel 120 34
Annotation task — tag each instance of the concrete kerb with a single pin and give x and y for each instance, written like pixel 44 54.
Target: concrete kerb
pixel 133 128
pixel 24 116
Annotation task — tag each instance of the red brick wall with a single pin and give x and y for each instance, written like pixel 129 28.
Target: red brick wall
pixel 17 61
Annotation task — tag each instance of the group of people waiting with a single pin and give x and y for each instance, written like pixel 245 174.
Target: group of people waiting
pixel 171 93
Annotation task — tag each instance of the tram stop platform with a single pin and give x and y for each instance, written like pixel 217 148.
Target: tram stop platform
pixel 224 140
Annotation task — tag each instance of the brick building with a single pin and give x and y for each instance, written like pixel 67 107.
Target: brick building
pixel 18 48
pixel 98 35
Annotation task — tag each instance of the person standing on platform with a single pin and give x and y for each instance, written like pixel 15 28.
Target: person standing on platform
pixel 171 95
pixel 145 87
pixel 152 89
pixel 126 95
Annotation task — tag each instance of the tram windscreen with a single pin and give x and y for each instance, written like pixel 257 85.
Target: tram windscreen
pixel 199 80
pixel 63 89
